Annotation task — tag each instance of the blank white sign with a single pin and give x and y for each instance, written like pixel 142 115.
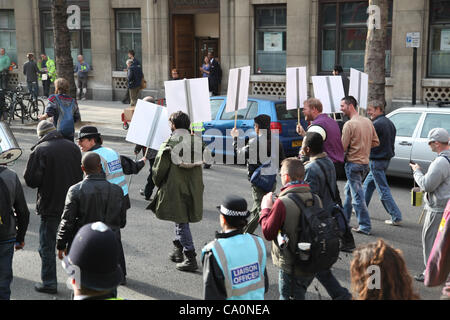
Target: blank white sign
pixel 294 100
pixel 190 96
pixel 149 126
pixel 238 93
pixel 359 87
pixel 330 91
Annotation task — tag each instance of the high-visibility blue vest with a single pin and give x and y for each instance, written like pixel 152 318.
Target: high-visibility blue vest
pixel 113 167
pixel 242 259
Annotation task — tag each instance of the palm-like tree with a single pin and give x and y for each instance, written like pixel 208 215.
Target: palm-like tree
pixel 61 34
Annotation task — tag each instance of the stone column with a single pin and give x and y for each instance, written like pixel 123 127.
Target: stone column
pixel 102 48
pixel 408 16
pixel 23 16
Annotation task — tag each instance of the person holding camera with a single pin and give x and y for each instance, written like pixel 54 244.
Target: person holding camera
pixel 436 184
pixel 234 264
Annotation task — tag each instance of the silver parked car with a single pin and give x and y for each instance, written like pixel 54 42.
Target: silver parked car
pixel 411 143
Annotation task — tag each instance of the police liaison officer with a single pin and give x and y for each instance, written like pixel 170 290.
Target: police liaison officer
pixel 234 264
pixel 114 166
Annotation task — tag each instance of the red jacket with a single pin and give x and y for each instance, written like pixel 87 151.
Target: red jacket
pixel 438 266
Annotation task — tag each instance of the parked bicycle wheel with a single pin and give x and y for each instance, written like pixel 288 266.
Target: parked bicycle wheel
pixel 36 108
pixel 20 111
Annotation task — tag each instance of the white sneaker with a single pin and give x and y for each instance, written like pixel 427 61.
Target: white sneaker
pixel 393 223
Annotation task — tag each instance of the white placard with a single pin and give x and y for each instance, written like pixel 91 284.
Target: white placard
pixel 296 87
pixel 237 93
pixel 149 126
pixel 190 96
pixel 359 87
pixel 330 91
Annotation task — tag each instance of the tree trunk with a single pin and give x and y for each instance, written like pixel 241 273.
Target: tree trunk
pixel 375 56
pixel 61 36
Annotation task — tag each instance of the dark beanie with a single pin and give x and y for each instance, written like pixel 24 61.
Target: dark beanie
pixel 44 127
pixel 263 121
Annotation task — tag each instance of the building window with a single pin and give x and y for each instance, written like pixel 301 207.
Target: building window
pixel 80 40
pixel 439 46
pixel 8 34
pixel 270 39
pixel 343 33
pixel 128 36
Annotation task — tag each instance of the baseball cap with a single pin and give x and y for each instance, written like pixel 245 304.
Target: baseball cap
pixel 439 135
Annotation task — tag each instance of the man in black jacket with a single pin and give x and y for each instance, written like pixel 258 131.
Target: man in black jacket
pixel 12 228
pixel 53 166
pixel 93 199
pixel 215 74
pixel 31 71
pixel 379 162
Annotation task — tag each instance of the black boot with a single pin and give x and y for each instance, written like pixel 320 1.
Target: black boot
pixel 190 263
pixel 177 253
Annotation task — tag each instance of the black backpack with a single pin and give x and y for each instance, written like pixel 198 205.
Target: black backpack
pixel 317 227
pixel 6 211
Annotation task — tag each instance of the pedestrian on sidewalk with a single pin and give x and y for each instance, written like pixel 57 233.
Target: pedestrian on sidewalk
pixel 93 199
pixel 180 188
pixel 31 71
pixel 5 62
pixel 47 74
pixel 358 137
pixel 234 264
pixel 63 109
pixel 378 272
pixel 379 162
pixel 53 167
pixel 92 263
pixel 131 56
pixel 82 69
pixel 134 76
pixel 14 218
pixel 321 177
pixel 436 184
pixel 254 161
pixel 312 110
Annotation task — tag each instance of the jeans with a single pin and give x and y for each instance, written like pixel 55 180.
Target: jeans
pixel 376 179
pixel 47 250
pixel 33 89
pixel 301 284
pixel 6 272
pixel 354 195
pixel 4 80
pixel 148 190
pixel 332 285
pixel 183 234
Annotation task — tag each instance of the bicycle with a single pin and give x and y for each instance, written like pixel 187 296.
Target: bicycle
pixel 34 106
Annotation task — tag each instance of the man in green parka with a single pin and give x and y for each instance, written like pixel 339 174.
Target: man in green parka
pixel 177 173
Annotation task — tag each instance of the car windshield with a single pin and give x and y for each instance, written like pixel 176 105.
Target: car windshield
pixel 283 114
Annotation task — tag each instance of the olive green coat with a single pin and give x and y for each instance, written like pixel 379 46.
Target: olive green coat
pixel 180 183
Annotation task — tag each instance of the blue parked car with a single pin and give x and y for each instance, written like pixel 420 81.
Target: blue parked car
pixel 285 121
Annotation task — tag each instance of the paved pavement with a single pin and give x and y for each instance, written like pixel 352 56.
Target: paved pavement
pixel 148 240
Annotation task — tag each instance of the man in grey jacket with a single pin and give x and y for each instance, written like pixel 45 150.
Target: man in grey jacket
pixel 436 184
pixel 31 71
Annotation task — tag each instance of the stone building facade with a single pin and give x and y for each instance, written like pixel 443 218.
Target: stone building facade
pixel 268 35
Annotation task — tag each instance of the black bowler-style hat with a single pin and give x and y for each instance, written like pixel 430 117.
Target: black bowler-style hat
pixel 88 132
pixel 94 254
pixel 234 206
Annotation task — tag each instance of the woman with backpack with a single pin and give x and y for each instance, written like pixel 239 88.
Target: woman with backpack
pixel 63 109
